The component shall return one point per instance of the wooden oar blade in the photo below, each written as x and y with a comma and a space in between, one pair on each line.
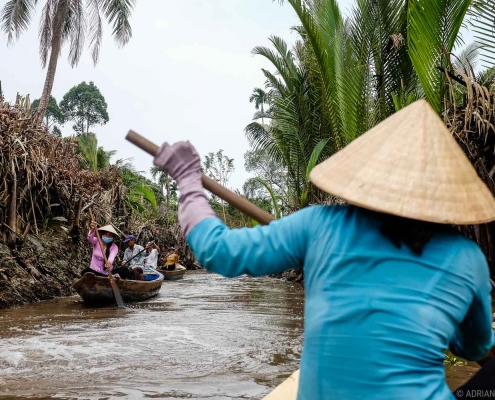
116, 294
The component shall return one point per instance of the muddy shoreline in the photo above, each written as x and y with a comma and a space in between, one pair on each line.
45, 267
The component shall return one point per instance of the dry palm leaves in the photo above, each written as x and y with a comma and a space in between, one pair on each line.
470, 115
41, 175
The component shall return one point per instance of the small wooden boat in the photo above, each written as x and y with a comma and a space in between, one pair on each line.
175, 274
287, 390
96, 289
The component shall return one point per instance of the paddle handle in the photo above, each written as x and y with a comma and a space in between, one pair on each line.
209, 184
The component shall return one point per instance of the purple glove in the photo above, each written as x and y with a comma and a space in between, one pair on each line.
182, 163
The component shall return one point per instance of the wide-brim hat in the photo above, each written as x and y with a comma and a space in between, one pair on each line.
108, 228
409, 165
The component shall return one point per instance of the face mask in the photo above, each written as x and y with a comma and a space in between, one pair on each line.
107, 239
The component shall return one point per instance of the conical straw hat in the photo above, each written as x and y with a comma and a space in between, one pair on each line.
108, 228
409, 165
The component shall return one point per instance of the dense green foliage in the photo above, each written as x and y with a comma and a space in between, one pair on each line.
53, 112
85, 106
345, 74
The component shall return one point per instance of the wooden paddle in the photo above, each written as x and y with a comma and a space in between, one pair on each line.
209, 184
113, 284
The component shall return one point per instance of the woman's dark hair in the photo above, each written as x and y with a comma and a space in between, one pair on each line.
413, 233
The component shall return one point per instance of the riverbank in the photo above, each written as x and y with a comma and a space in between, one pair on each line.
44, 267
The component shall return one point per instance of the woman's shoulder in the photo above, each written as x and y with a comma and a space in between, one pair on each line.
467, 250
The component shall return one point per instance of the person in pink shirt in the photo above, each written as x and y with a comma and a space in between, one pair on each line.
108, 236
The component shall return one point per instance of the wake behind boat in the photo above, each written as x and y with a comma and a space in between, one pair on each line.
96, 290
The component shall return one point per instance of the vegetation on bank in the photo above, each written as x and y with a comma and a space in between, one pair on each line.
347, 73
344, 75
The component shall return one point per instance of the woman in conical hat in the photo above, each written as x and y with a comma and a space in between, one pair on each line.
110, 249
389, 284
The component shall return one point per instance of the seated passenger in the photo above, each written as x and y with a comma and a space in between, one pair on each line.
171, 259
152, 253
133, 256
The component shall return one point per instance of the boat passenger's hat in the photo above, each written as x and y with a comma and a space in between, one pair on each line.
128, 238
409, 165
171, 248
108, 228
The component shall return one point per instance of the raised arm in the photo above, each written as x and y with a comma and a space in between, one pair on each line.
256, 251
92, 235
474, 337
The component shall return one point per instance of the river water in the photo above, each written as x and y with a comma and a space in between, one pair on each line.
203, 337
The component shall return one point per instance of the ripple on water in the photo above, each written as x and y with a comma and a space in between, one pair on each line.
202, 337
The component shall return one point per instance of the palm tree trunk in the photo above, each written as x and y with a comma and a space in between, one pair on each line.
58, 24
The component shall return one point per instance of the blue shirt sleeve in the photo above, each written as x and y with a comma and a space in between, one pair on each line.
474, 337
254, 251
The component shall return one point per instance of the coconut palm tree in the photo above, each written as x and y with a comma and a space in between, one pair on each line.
259, 97
345, 75
66, 21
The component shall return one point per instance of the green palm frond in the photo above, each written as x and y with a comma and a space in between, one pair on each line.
125, 164
75, 30
15, 16
486, 78
378, 32
315, 157
147, 193
95, 29
433, 30
277, 60
46, 30
103, 158
483, 23
88, 146
273, 196
466, 61
323, 34
118, 13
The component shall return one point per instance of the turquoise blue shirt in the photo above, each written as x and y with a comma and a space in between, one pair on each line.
377, 317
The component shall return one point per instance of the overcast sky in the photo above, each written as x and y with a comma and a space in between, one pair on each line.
186, 74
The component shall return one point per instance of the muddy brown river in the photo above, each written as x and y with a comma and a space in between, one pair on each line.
204, 337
